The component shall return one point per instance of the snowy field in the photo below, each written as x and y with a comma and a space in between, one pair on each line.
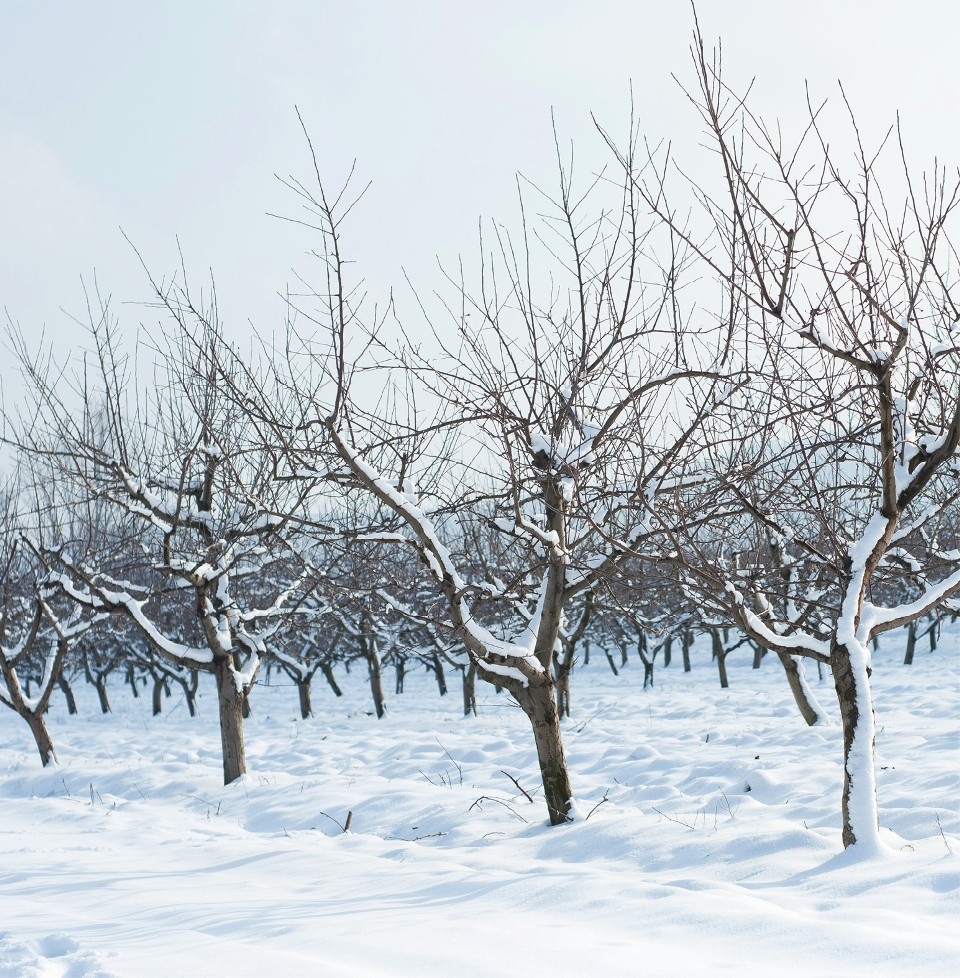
708, 841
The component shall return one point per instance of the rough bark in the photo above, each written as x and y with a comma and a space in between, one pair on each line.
230, 700
42, 736
67, 694
911, 643
792, 668
441, 677
327, 671
303, 693
537, 702
563, 693
470, 690
720, 654
859, 800
100, 684
369, 647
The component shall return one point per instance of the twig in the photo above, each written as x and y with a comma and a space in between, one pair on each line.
598, 804
457, 766
499, 801
670, 818
336, 821
520, 788
942, 836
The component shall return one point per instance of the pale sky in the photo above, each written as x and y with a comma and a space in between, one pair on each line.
169, 119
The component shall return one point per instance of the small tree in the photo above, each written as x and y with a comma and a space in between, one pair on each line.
36, 630
179, 544
826, 486
552, 416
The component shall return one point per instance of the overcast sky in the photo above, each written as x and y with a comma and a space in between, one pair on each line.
170, 119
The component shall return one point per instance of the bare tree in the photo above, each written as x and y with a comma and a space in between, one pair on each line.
36, 630
551, 414
829, 481
179, 541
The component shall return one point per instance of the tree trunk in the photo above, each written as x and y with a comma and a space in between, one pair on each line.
540, 707
851, 678
101, 686
807, 705
667, 650
230, 700
327, 671
42, 737
132, 680
720, 654
686, 649
303, 692
376, 677
911, 643
157, 695
562, 686
642, 647
470, 689
441, 678
190, 691
758, 655
67, 694
400, 667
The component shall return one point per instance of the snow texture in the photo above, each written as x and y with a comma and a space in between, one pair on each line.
716, 852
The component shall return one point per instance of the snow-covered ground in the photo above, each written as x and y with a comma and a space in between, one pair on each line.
709, 842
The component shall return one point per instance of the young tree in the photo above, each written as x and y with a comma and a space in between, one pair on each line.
828, 481
552, 415
180, 545
36, 631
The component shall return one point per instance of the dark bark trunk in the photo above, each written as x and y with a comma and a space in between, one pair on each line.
720, 654
157, 695
400, 668
857, 759
540, 707
667, 650
441, 678
101, 686
327, 671
792, 669
376, 679
642, 647
190, 691
613, 665
67, 694
42, 737
563, 693
132, 680
757, 655
911, 643
230, 701
303, 692
686, 650
470, 690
